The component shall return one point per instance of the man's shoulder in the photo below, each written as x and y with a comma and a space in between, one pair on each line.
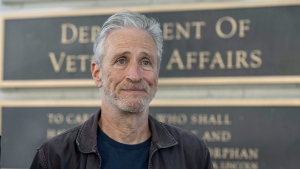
59, 150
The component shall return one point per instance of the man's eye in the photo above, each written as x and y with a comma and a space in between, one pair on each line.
146, 63
121, 61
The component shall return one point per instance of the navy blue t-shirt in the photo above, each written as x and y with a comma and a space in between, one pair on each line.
115, 155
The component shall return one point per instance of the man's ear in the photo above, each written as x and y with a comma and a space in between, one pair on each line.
95, 70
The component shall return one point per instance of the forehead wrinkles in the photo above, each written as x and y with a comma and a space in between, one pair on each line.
130, 38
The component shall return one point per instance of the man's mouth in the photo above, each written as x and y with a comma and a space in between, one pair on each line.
133, 90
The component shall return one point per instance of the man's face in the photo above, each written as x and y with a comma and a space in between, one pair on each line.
129, 71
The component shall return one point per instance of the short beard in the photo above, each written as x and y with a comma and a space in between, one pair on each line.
126, 104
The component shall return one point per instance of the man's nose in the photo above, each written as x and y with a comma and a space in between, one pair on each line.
134, 73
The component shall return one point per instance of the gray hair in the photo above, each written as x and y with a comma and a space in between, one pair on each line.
128, 19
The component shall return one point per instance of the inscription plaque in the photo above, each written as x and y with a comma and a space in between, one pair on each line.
252, 137
241, 44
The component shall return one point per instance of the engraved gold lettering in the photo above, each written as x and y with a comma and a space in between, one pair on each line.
217, 136
168, 31
219, 27
175, 59
94, 31
184, 31
71, 63
57, 64
255, 56
190, 56
241, 59
73, 118
235, 165
215, 165
55, 118
203, 57
83, 35
175, 31
64, 33
217, 59
70, 33
53, 132
213, 119
229, 59
174, 119
83, 59
234, 153
244, 26
198, 26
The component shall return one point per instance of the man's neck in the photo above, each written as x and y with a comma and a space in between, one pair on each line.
124, 127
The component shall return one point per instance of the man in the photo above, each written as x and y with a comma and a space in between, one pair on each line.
122, 134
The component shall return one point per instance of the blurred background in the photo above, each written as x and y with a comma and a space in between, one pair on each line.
242, 113
219, 91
